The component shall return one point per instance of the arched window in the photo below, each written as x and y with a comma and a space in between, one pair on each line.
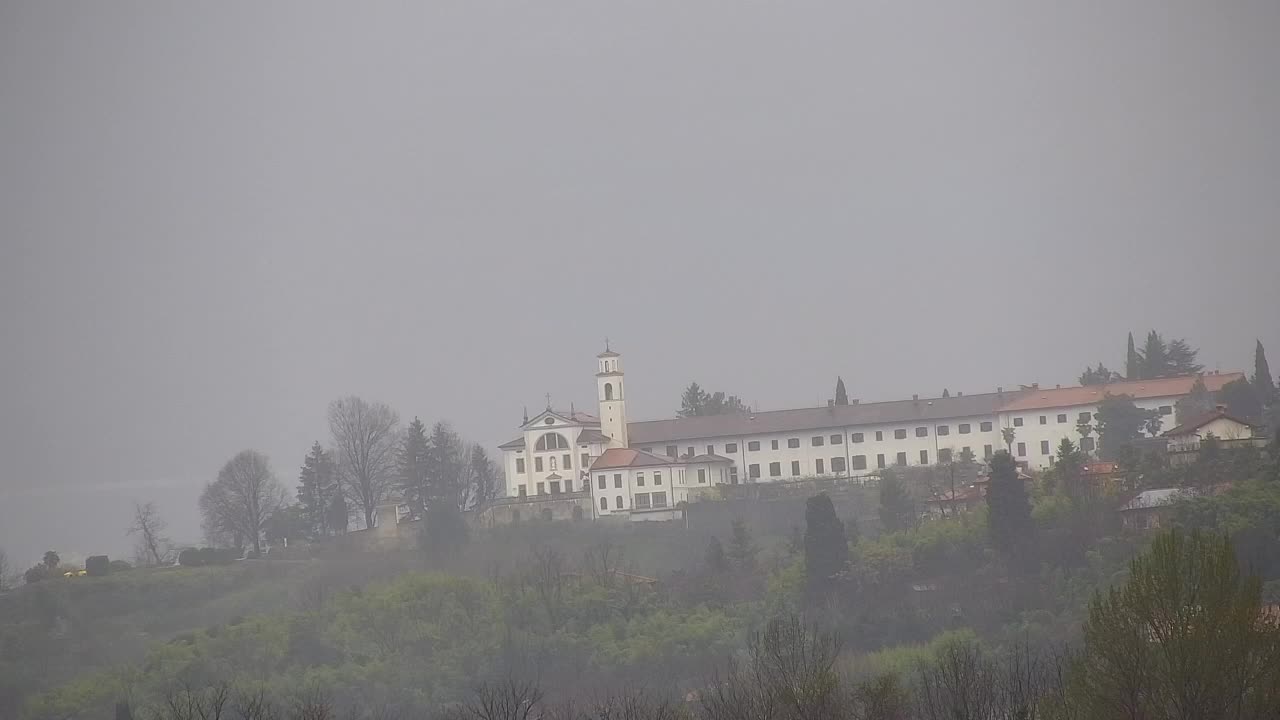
604, 503
552, 441
617, 502
608, 391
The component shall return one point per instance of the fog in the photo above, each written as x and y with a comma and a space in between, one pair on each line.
216, 218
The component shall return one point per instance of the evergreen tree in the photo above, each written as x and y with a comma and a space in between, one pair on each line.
485, 478
338, 518
742, 546
696, 402
1181, 359
1155, 356
1182, 638
717, 562
946, 393
842, 397
1262, 379
1097, 376
1067, 466
1120, 423
1009, 518
51, 560
1241, 398
1132, 362
412, 467
897, 507
444, 528
1194, 404
826, 551
317, 487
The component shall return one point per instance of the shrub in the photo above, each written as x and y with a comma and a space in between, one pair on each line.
97, 565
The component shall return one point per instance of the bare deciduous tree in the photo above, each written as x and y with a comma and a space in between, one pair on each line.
149, 527
242, 499
365, 439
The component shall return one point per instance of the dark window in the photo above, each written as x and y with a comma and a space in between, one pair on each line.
902, 458
537, 464
519, 466
775, 469
922, 432
943, 430
733, 474
568, 462
986, 452
753, 471
731, 448
880, 461
837, 439
524, 492
568, 485
711, 449
793, 442
837, 465
672, 451
659, 499
657, 478
753, 445
856, 437
879, 435
542, 489
1017, 422
689, 451
603, 484
639, 479
1086, 444
817, 441
702, 476
604, 503
859, 462
552, 441
641, 500
586, 461
944, 455
617, 481
1044, 447
965, 428
1062, 417
985, 427
773, 444
555, 487
1022, 449
617, 503
1044, 420
1084, 417
1166, 410
817, 466
924, 457
900, 434
795, 468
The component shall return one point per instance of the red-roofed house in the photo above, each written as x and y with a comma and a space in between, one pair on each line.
1231, 432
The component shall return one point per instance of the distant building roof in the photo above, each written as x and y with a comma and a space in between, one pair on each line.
1160, 497
1200, 421
783, 421
517, 444
707, 458
591, 435
630, 457
1041, 398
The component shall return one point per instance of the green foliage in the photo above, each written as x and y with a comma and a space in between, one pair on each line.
317, 490
200, 557
1182, 638
412, 467
1098, 376
742, 546
842, 395
1242, 400
1195, 403
897, 506
696, 402
1009, 518
1262, 380
51, 560
826, 550
716, 560
1120, 422
1132, 362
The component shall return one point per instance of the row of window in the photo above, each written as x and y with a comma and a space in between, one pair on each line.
821, 440
1086, 444
543, 487
551, 463
643, 501
857, 462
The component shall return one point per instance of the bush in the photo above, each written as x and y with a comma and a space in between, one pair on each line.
35, 574
97, 565
193, 557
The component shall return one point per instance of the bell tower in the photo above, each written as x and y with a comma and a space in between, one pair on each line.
612, 397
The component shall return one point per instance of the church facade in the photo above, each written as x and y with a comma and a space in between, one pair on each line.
612, 466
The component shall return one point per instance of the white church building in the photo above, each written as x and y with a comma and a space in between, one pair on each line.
645, 469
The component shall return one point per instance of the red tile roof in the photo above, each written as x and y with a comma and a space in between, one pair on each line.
1092, 394
1196, 423
630, 457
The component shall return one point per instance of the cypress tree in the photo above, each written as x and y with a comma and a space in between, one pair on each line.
826, 550
411, 466
1262, 375
1132, 362
1009, 518
842, 396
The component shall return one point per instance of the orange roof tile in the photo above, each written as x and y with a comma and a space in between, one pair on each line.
1093, 394
629, 457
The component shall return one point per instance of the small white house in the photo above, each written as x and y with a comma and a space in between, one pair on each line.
1231, 431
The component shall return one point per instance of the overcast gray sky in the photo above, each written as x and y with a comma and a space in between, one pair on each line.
217, 217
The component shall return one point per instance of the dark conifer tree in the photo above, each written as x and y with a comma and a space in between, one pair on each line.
1262, 376
842, 396
1009, 519
826, 550
317, 487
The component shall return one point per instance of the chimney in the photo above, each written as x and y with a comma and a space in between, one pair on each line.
915, 397
999, 389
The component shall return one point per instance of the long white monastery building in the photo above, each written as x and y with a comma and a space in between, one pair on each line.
645, 468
